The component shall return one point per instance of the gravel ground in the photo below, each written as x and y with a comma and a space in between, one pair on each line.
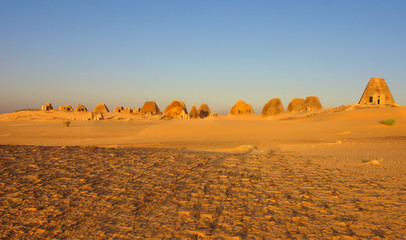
133, 193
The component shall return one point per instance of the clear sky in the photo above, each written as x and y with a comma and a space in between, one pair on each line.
123, 53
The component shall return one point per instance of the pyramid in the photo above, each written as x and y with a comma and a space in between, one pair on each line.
150, 108
194, 113
101, 108
47, 107
273, 107
80, 108
175, 109
295, 105
65, 108
241, 108
118, 109
377, 93
203, 111
311, 103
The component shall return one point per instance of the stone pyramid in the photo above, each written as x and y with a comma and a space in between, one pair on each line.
150, 108
241, 108
80, 108
295, 105
273, 107
204, 111
101, 108
176, 109
377, 93
311, 103
194, 113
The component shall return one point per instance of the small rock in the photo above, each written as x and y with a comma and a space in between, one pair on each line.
374, 162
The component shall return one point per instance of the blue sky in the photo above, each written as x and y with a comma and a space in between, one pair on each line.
123, 53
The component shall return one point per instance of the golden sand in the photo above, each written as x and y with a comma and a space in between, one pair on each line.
332, 173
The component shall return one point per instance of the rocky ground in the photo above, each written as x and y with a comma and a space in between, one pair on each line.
132, 193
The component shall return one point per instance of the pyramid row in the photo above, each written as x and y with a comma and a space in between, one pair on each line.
177, 109
274, 106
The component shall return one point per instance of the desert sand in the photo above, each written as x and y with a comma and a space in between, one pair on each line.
326, 174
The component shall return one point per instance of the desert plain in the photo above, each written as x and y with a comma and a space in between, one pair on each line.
336, 173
